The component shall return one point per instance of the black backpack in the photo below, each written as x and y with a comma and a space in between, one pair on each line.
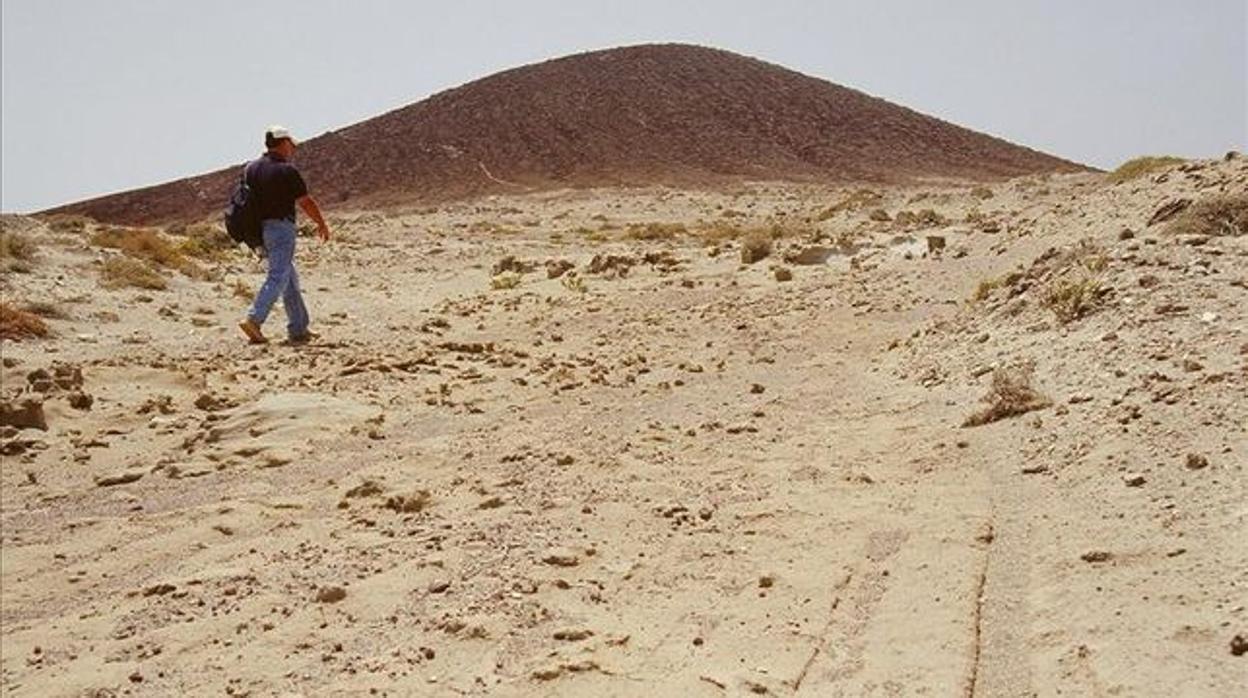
242, 214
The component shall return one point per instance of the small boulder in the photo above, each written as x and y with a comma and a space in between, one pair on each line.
23, 414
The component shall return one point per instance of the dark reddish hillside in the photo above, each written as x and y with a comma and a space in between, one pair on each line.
669, 114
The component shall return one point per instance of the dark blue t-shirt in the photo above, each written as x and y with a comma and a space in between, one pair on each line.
276, 184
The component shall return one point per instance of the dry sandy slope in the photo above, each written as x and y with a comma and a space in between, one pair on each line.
688, 480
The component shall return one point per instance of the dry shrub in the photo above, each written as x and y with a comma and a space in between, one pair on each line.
18, 324
505, 280
856, 201
1141, 166
122, 272
17, 246
241, 289
409, 504
1010, 395
1221, 215
149, 245
68, 223
754, 247
573, 282
207, 242
985, 289
1072, 299
655, 231
46, 309
926, 218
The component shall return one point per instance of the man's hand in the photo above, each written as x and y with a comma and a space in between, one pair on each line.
308, 204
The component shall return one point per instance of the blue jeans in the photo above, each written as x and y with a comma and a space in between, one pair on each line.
282, 280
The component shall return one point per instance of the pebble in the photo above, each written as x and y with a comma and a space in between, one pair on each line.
330, 594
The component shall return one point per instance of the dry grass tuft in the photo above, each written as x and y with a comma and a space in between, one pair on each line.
926, 218
1222, 215
149, 245
1010, 395
123, 272
1141, 166
206, 242
46, 309
574, 282
505, 280
18, 324
68, 223
655, 231
858, 200
241, 289
1070, 300
17, 246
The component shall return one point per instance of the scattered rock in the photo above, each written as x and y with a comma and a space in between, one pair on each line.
573, 634
561, 558
439, 586
123, 478
330, 594
1168, 210
810, 255
1196, 461
1239, 645
556, 268
1133, 479
26, 414
513, 265
80, 400
409, 504
783, 274
368, 488
1096, 556
935, 244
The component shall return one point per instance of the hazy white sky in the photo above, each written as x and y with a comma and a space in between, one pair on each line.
102, 96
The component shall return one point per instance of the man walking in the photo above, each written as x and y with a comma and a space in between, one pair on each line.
278, 186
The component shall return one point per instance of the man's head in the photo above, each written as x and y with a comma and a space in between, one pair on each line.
278, 140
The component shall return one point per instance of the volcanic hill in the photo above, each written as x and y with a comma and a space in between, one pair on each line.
653, 114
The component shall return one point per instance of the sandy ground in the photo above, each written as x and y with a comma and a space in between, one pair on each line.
678, 476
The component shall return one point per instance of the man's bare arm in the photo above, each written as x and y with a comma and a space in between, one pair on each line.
309, 206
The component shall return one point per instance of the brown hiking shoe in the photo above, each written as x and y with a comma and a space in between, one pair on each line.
252, 330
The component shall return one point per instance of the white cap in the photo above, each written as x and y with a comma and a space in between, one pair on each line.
278, 132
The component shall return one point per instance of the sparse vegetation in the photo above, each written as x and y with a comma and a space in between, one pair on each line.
46, 309
16, 252
655, 231
574, 282
982, 193
241, 289
1141, 166
18, 324
68, 223
856, 201
123, 272
207, 242
148, 245
505, 280
1222, 215
925, 218
1072, 299
1010, 395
